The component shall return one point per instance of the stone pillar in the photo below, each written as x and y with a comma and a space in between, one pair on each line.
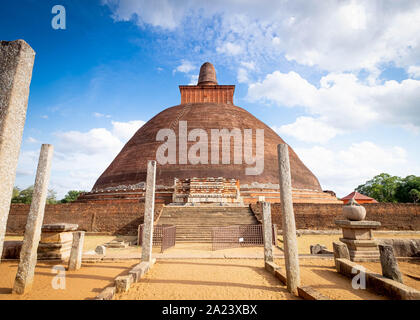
28, 253
75, 261
340, 252
268, 232
291, 255
16, 63
149, 208
389, 263
275, 232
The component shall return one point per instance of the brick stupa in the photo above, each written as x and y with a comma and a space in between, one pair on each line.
205, 106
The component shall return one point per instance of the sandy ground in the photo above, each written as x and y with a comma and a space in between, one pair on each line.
410, 271
85, 283
196, 279
321, 275
199, 278
202, 279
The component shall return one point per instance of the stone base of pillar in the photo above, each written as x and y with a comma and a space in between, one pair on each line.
357, 235
56, 241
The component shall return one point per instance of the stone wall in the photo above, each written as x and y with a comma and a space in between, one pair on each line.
398, 216
111, 218
124, 217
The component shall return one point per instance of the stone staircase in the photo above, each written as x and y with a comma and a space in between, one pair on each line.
194, 223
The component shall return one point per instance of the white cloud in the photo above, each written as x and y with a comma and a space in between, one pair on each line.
185, 67
32, 140
242, 75
345, 169
414, 71
125, 130
334, 35
44, 116
101, 115
98, 140
79, 157
249, 65
230, 48
308, 129
342, 100
193, 79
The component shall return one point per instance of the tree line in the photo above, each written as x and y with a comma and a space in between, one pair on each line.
387, 188
25, 196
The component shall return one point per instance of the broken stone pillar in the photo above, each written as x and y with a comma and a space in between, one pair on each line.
149, 208
75, 261
291, 254
268, 232
16, 63
389, 263
28, 253
56, 241
340, 252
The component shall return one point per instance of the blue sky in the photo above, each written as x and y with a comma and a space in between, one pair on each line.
338, 80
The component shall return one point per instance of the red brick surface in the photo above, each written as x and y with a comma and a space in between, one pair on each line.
124, 217
129, 167
401, 216
105, 217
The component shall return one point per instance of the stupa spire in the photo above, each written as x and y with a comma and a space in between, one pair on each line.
207, 75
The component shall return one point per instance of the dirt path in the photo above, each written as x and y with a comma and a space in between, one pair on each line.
85, 283
200, 279
410, 271
321, 275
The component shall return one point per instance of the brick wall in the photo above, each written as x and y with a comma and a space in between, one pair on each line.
401, 216
105, 217
124, 217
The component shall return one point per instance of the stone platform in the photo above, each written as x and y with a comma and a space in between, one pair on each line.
56, 241
358, 237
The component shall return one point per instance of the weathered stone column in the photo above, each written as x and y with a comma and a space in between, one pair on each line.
149, 208
16, 63
28, 253
389, 264
291, 255
268, 232
75, 261
340, 252
275, 232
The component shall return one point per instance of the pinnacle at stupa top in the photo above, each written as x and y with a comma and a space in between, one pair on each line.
207, 75
207, 88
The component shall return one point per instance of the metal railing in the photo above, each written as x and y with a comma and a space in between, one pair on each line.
163, 235
239, 236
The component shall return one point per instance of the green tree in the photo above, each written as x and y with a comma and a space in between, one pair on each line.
25, 195
407, 189
415, 195
16, 192
71, 196
382, 187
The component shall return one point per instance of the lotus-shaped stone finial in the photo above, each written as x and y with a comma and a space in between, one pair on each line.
354, 211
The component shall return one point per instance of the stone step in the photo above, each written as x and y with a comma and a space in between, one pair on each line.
207, 222
207, 211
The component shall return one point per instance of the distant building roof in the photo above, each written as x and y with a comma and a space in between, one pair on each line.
358, 196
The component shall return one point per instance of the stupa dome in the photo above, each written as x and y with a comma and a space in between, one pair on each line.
206, 106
